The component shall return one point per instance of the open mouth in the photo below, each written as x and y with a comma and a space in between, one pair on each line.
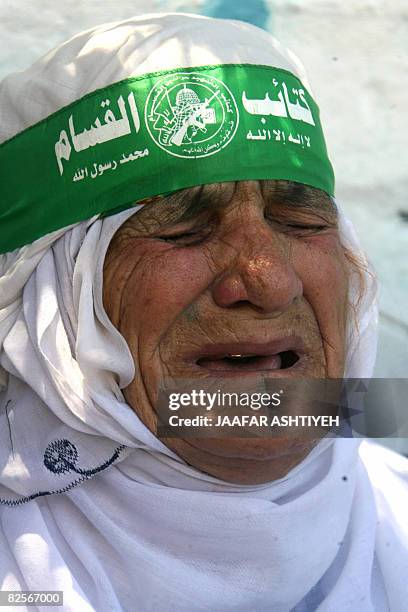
249, 362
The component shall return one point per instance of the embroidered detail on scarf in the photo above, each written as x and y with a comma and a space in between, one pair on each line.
61, 457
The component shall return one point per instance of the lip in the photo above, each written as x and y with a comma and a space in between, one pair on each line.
262, 349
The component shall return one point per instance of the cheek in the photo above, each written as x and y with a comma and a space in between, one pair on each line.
321, 265
163, 283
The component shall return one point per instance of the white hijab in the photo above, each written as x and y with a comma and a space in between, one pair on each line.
91, 502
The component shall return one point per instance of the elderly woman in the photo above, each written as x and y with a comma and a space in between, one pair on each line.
167, 214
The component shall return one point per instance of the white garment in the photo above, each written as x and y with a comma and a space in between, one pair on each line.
137, 528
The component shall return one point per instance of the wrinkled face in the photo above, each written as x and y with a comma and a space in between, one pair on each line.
252, 269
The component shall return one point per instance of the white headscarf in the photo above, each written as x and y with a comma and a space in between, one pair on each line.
91, 502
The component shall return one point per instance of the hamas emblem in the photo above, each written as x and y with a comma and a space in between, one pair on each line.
191, 114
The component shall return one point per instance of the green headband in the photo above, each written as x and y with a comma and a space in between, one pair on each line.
156, 134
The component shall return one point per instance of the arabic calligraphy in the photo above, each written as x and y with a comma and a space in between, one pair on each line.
279, 135
99, 132
134, 156
62, 150
99, 169
282, 106
80, 174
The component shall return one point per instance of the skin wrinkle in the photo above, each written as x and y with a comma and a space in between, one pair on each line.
191, 313
165, 330
244, 268
120, 306
252, 266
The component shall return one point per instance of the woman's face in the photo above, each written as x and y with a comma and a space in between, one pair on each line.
247, 268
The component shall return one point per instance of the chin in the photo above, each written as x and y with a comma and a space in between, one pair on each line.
243, 460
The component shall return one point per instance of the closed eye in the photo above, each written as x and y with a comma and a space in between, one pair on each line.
187, 238
177, 236
305, 228
316, 228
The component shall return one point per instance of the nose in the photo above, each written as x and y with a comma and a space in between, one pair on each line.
260, 273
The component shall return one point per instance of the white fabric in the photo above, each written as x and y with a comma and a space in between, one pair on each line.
150, 533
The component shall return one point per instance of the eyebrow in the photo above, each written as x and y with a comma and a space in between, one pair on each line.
297, 195
205, 200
